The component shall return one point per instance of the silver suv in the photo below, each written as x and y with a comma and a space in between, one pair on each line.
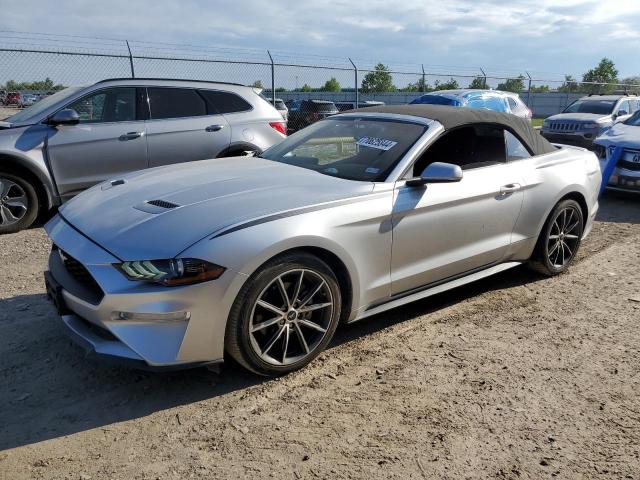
582, 121
81, 136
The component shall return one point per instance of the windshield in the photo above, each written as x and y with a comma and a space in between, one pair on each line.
633, 120
601, 107
352, 148
436, 100
37, 108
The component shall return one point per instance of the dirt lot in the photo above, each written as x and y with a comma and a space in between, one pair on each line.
515, 376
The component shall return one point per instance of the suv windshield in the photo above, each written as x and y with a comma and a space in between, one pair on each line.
35, 110
352, 148
633, 120
602, 107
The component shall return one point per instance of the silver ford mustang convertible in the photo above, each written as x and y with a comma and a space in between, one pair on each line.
260, 258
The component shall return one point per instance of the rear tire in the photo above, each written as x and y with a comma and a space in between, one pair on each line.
284, 316
19, 204
559, 240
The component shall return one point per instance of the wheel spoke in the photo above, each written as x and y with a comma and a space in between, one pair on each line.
568, 222
571, 236
303, 342
270, 307
555, 246
314, 326
553, 237
296, 292
273, 340
566, 246
316, 306
7, 215
265, 324
283, 292
573, 227
287, 333
310, 296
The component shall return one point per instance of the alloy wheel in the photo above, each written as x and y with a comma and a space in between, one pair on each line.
14, 202
564, 237
291, 317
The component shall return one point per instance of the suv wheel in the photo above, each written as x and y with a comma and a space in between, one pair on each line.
18, 203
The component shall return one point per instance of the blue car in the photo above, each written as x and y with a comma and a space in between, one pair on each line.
620, 155
494, 100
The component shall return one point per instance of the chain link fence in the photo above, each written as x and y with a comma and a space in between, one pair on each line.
42, 63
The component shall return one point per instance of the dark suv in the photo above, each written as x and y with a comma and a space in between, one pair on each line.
303, 113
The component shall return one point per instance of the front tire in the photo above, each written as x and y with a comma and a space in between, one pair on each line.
559, 240
19, 204
284, 316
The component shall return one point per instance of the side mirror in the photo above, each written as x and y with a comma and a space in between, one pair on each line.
622, 113
437, 172
67, 116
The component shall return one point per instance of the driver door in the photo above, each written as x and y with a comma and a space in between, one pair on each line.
444, 230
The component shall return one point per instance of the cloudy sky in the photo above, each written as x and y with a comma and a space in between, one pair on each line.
541, 36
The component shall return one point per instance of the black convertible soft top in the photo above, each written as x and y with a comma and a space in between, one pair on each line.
453, 117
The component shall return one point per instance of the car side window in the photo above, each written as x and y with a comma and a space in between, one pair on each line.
108, 105
175, 103
468, 147
512, 104
515, 149
225, 102
625, 107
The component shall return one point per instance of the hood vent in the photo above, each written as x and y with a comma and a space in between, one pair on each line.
162, 204
156, 206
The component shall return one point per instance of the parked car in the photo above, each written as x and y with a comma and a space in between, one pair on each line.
344, 106
13, 98
118, 126
350, 217
282, 109
581, 122
620, 155
27, 99
305, 112
495, 100
3, 97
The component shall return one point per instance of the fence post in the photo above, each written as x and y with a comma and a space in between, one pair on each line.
528, 90
133, 73
484, 78
273, 80
355, 71
423, 86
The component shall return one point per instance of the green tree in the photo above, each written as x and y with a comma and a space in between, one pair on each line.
515, 85
478, 82
305, 88
420, 86
604, 73
332, 85
281, 89
379, 80
257, 84
569, 85
451, 84
539, 88
45, 85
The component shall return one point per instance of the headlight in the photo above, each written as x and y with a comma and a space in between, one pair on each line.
590, 126
546, 123
173, 272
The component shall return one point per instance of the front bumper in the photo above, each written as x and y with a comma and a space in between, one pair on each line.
91, 317
578, 139
623, 179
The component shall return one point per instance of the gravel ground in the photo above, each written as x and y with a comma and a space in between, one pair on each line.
515, 376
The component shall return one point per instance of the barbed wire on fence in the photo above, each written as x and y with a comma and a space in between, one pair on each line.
64, 60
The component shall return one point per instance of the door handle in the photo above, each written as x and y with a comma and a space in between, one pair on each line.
131, 135
214, 128
509, 189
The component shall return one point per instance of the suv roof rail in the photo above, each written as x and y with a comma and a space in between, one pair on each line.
169, 79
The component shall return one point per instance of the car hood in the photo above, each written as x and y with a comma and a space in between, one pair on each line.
209, 195
620, 135
581, 117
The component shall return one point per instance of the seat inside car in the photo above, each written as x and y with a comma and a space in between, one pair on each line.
468, 147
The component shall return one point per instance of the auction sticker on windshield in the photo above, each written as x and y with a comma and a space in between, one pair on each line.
375, 142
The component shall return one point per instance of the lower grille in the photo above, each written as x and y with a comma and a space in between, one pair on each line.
83, 285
